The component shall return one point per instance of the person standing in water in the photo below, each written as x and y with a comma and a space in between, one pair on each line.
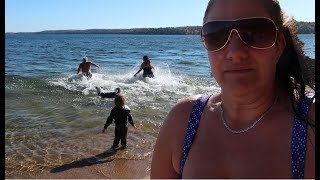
120, 113
85, 67
147, 67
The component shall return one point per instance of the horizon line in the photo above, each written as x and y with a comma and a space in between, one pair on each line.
118, 28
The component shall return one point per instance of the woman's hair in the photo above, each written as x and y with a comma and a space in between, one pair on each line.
291, 70
119, 100
145, 58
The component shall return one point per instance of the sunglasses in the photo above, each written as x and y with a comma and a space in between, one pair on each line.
258, 33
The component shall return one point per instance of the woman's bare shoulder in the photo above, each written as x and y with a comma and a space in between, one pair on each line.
185, 105
178, 116
181, 109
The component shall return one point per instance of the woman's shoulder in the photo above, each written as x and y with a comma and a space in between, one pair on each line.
180, 112
189, 101
184, 106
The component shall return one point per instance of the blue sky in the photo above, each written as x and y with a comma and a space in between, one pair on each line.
39, 15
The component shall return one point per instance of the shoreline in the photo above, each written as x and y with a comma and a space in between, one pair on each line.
110, 169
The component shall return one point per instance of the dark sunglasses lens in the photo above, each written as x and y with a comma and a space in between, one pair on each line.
258, 32
215, 34
217, 40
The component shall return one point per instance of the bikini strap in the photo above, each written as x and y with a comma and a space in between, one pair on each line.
193, 124
299, 137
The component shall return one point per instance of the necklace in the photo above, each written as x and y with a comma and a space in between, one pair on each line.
249, 127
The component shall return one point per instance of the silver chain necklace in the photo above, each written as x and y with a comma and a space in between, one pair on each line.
249, 127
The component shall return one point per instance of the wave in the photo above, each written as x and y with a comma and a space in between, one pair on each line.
164, 81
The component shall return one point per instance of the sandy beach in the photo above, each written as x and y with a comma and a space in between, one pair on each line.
117, 169
101, 166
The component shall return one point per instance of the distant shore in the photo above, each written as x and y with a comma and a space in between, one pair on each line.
303, 28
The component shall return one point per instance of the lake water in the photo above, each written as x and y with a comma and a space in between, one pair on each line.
54, 117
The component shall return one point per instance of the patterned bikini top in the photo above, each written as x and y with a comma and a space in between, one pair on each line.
298, 141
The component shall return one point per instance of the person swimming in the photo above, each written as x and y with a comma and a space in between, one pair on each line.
85, 67
147, 67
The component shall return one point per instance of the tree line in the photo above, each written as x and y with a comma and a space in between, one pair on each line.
303, 28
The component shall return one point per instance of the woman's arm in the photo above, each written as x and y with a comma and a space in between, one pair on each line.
139, 70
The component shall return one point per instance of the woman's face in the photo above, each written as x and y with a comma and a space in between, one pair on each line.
237, 67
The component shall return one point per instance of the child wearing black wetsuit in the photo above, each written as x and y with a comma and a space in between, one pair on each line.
120, 113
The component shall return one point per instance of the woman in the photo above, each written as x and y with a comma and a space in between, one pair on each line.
147, 67
254, 128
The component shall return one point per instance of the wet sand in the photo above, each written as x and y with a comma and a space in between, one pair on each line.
123, 169
106, 165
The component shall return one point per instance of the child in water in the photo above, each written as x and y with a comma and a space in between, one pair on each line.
120, 113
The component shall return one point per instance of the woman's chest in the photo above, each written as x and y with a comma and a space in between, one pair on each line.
259, 153
242, 162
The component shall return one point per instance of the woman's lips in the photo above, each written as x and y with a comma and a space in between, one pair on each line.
239, 71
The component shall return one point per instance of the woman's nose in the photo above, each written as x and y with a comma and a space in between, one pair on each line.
236, 48
235, 39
